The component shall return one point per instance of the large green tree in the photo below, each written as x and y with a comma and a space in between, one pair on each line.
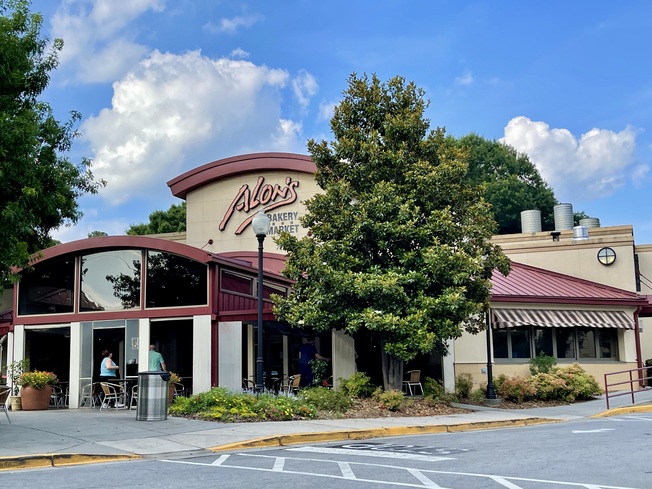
399, 248
39, 185
512, 182
171, 221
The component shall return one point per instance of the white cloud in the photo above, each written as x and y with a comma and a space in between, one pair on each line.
230, 26
465, 80
304, 86
326, 110
96, 43
591, 166
171, 110
239, 53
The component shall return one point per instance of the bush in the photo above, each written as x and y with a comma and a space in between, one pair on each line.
498, 381
358, 385
326, 399
220, 404
480, 394
542, 364
390, 400
433, 388
463, 385
549, 386
517, 389
581, 385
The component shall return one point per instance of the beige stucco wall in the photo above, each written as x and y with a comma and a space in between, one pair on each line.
577, 258
208, 205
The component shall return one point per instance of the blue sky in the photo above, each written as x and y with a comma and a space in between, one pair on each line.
168, 85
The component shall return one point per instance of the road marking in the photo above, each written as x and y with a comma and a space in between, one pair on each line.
221, 460
504, 480
423, 479
279, 463
347, 473
599, 430
374, 453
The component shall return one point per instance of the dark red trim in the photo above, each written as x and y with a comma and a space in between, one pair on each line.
274, 262
236, 165
635, 302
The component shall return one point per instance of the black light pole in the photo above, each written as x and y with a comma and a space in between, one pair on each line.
491, 390
260, 225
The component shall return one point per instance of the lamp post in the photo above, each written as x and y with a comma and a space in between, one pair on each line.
260, 225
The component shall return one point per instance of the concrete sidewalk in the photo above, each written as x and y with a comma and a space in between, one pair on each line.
61, 436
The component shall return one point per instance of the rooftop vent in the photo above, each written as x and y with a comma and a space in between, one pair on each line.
531, 221
563, 214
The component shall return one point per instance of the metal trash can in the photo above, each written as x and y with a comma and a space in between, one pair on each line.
153, 396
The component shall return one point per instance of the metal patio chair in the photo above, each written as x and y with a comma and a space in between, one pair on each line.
412, 382
113, 394
4, 395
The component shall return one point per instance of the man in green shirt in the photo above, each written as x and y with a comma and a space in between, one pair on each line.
156, 361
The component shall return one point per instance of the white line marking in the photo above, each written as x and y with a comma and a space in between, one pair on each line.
423, 479
504, 482
279, 463
221, 460
444, 472
374, 453
347, 473
599, 430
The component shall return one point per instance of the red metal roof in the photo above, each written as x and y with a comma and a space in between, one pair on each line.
526, 283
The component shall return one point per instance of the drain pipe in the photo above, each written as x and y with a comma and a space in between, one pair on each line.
639, 360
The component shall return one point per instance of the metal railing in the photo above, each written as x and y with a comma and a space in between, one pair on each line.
641, 379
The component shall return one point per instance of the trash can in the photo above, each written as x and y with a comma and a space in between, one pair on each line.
152, 396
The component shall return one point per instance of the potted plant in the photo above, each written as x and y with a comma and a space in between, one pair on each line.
36, 389
174, 378
13, 371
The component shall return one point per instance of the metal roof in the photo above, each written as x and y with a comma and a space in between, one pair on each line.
526, 283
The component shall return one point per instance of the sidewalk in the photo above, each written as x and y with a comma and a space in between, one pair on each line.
63, 436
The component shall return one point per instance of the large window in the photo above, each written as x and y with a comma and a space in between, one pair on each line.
48, 288
110, 281
173, 280
563, 343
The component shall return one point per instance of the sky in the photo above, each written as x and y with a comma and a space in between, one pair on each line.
165, 86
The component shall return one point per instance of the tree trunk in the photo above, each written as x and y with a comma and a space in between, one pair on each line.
392, 371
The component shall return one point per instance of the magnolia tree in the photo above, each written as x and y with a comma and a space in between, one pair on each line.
399, 248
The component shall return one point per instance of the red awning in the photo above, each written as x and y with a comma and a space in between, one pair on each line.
509, 318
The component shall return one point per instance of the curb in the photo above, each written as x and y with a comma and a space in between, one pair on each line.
325, 436
646, 408
58, 460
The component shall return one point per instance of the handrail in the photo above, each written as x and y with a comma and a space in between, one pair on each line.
631, 382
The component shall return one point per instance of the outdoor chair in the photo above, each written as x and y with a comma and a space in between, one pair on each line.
57, 397
4, 395
179, 389
292, 385
412, 382
113, 394
134, 396
248, 385
89, 396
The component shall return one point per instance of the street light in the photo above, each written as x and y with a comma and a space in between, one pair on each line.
260, 225
491, 390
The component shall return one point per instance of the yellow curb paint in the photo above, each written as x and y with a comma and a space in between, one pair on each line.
316, 437
58, 459
647, 408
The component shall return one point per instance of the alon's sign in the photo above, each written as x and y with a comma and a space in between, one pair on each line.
270, 197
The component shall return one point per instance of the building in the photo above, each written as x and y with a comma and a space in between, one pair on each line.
193, 294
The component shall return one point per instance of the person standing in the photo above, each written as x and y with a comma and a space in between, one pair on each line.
307, 353
156, 361
108, 368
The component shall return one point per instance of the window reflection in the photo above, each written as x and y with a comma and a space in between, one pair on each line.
48, 288
173, 280
110, 281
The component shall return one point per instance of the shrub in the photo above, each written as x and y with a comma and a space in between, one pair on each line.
549, 386
433, 388
326, 399
517, 389
37, 379
464, 385
581, 385
542, 364
358, 385
319, 371
480, 394
498, 381
220, 404
390, 400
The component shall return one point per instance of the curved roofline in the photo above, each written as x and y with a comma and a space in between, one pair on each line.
227, 167
99, 243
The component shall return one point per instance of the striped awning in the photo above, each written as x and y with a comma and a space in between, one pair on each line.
508, 318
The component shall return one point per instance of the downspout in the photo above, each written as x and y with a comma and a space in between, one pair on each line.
639, 360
